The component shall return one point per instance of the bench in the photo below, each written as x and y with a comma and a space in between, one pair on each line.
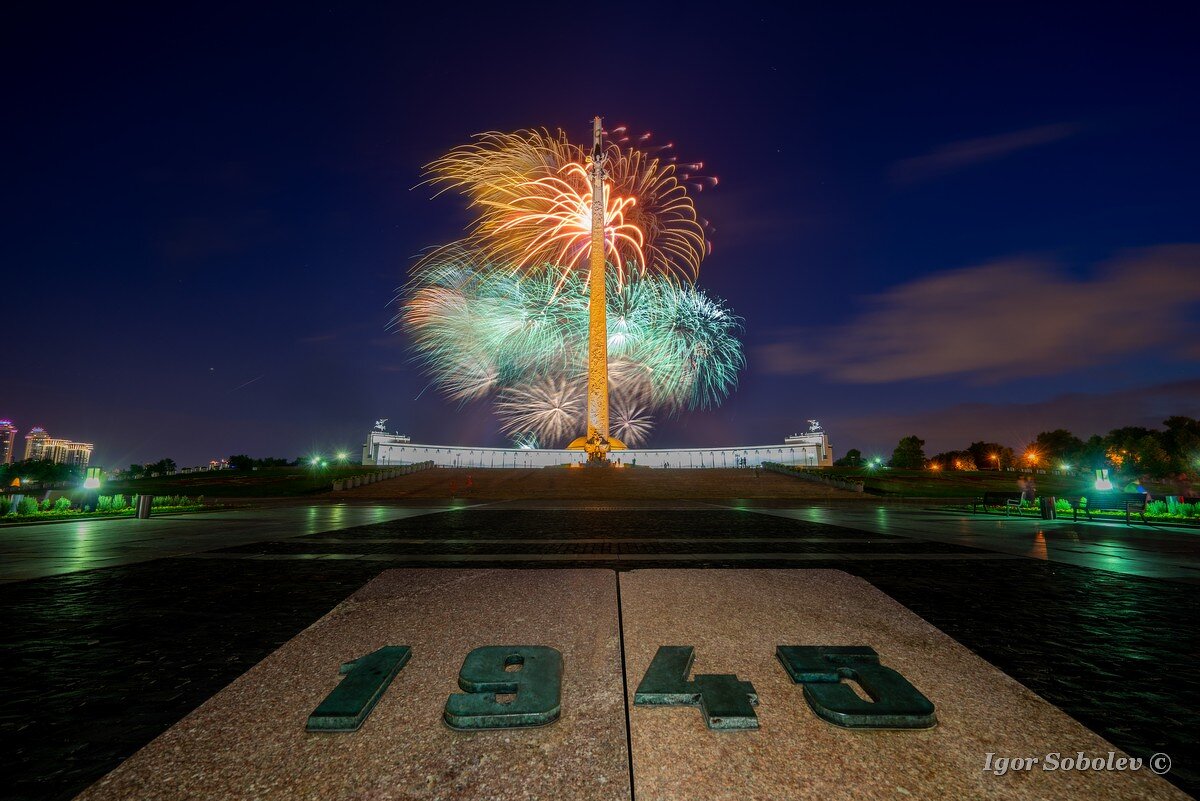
1009, 500
1126, 502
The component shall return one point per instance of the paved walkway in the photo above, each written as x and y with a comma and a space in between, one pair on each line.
1138, 550
615, 485
48, 549
1101, 620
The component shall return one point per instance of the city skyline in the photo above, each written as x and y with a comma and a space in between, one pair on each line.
41, 446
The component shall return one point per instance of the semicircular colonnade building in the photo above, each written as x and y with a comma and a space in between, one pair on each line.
812, 449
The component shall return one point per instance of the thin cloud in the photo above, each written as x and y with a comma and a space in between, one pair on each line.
966, 152
1007, 319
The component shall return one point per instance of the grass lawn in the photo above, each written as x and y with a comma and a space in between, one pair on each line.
965, 484
78, 514
266, 482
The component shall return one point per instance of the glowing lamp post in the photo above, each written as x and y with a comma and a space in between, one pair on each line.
92, 481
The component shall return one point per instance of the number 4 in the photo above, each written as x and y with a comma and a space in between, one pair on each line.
726, 702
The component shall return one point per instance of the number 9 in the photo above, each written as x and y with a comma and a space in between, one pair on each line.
533, 673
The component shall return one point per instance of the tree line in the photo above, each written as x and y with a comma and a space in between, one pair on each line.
46, 472
239, 461
1172, 451
39, 470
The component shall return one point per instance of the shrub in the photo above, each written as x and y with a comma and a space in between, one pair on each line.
29, 506
104, 503
119, 502
1158, 508
62, 505
171, 501
47, 505
1062, 505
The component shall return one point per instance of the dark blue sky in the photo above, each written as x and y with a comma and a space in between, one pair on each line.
986, 212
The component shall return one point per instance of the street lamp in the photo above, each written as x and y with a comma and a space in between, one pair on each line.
93, 479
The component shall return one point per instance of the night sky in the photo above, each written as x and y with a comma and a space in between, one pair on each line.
978, 222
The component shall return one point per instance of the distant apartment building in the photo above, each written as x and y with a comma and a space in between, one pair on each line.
40, 445
35, 443
8, 441
64, 451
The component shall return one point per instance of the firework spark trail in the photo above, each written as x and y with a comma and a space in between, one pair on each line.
525, 440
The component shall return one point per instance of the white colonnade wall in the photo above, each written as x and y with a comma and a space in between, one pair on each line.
811, 450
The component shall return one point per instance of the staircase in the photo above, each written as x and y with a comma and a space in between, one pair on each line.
584, 483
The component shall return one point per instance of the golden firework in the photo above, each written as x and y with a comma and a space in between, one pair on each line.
533, 199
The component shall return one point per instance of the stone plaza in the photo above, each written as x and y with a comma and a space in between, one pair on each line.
178, 657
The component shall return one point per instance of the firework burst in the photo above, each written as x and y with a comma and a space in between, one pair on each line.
503, 312
524, 340
548, 408
631, 423
533, 200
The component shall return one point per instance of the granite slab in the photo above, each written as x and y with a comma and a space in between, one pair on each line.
249, 740
735, 619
